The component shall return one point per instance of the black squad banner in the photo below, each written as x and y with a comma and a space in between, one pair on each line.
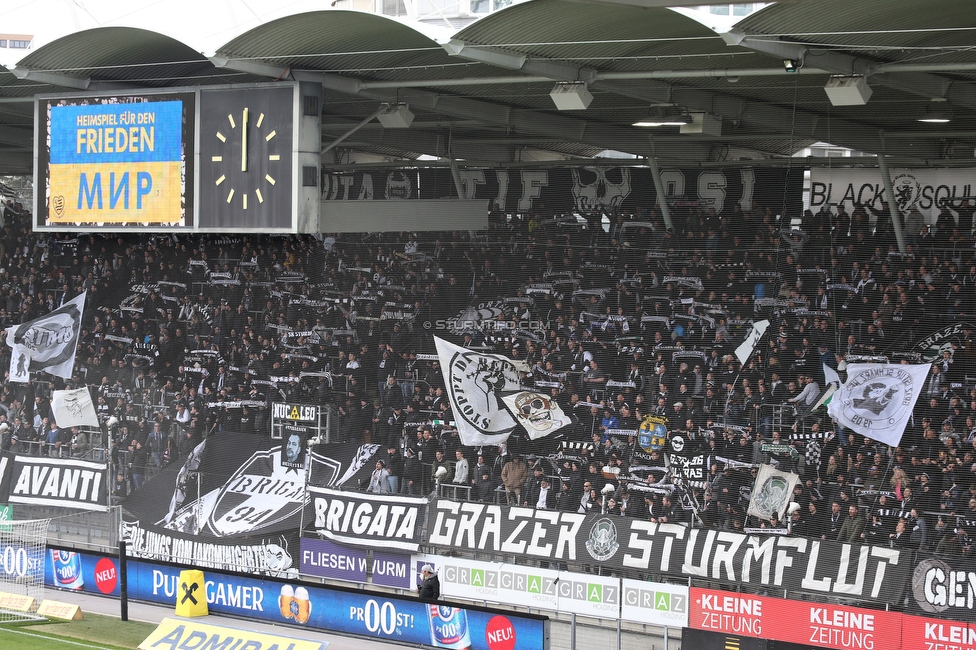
944, 588
58, 482
795, 563
688, 464
236, 502
384, 521
590, 190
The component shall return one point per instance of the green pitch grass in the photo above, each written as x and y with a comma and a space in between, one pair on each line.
93, 633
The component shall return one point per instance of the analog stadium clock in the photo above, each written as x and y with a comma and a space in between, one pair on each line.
246, 159
244, 137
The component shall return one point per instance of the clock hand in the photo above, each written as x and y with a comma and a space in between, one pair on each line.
244, 141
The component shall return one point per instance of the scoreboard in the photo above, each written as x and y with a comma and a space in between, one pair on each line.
206, 159
122, 162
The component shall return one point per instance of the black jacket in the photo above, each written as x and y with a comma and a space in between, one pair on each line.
430, 588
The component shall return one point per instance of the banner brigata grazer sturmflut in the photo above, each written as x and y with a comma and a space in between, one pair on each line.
868, 573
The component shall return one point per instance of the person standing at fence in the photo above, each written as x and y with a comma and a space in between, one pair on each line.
379, 480
412, 473
394, 465
440, 471
460, 470
514, 474
140, 458
50, 433
430, 586
157, 444
485, 486
79, 443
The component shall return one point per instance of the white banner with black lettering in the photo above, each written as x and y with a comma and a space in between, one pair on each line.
363, 519
926, 190
61, 482
877, 399
267, 554
744, 351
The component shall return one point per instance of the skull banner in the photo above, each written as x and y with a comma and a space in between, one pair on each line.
596, 190
539, 414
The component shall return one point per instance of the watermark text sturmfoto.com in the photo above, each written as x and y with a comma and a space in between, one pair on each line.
457, 324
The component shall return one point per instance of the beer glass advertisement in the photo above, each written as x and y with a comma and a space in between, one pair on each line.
76, 571
291, 602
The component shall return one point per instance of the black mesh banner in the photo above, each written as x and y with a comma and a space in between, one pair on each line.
619, 543
605, 189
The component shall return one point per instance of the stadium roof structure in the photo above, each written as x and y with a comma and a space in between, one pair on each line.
755, 94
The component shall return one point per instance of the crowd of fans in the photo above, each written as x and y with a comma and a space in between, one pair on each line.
187, 335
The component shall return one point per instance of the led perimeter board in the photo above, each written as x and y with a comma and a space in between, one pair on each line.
115, 161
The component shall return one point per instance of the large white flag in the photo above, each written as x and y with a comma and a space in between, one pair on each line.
744, 351
475, 384
73, 408
47, 343
538, 413
877, 399
771, 493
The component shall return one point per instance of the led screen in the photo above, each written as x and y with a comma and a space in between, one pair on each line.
116, 161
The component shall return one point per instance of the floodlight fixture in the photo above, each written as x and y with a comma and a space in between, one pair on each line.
571, 96
395, 116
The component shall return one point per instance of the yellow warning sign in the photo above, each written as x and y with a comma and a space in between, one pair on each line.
294, 414
191, 594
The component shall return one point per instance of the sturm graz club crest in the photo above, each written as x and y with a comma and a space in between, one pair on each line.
602, 543
951, 338
929, 570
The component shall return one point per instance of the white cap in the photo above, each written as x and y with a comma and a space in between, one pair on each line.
426, 569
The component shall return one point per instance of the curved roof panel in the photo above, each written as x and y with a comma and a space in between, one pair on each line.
609, 38
122, 54
365, 45
887, 30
